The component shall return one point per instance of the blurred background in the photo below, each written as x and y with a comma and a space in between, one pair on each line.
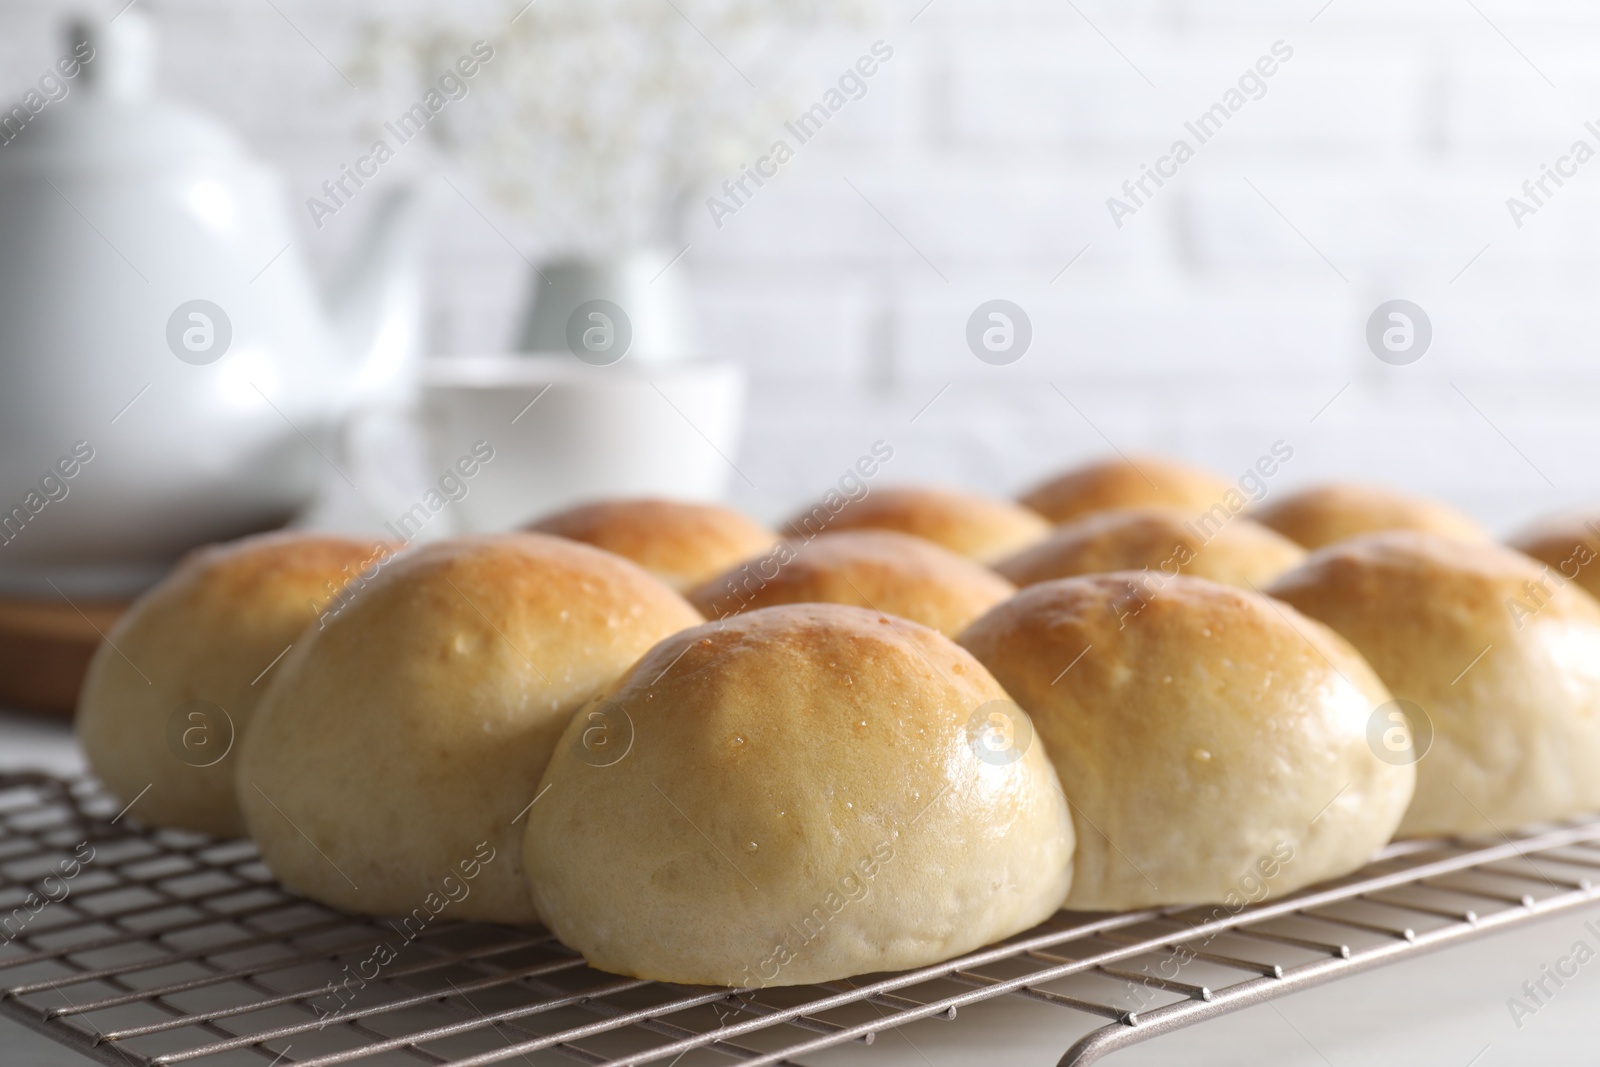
965, 152
1226, 314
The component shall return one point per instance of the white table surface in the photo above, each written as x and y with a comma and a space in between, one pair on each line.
1445, 1009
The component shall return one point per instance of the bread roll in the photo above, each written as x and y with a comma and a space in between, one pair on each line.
1569, 545
967, 524
168, 695
1213, 743
1324, 514
1164, 539
1126, 483
805, 793
680, 543
400, 743
877, 569
1507, 677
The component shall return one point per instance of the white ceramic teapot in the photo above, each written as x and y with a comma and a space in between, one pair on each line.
160, 338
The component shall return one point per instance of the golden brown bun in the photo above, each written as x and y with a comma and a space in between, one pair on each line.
401, 741
1202, 738
681, 543
1511, 688
1164, 539
794, 795
967, 524
1568, 544
1126, 483
170, 693
877, 569
1324, 514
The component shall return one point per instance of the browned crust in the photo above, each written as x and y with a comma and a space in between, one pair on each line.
679, 542
1324, 514
1164, 539
881, 570
980, 527
1124, 483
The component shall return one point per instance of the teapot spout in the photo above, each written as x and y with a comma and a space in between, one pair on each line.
376, 302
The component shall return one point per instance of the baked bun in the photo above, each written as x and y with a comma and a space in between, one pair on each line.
1324, 514
170, 692
877, 569
399, 744
976, 526
1164, 539
1568, 544
1507, 676
1126, 483
680, 543
1213, 744
795, 795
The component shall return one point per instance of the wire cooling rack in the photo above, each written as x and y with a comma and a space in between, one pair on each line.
140, 947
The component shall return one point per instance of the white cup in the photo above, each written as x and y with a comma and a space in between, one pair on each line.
563, 432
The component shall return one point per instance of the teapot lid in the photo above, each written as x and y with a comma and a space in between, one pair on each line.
95, 107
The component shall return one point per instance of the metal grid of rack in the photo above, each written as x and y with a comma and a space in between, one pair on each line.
140, 947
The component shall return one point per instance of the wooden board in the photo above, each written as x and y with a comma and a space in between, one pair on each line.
45, 648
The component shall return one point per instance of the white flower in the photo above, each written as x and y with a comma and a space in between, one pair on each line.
598, 120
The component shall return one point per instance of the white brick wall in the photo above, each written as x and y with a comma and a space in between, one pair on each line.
1204, 326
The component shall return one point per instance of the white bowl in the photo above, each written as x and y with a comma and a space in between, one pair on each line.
563, 431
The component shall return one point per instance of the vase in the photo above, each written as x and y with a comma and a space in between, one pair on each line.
567, 308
